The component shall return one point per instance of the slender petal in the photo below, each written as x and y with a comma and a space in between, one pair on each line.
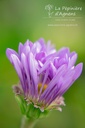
9, 52
33, 72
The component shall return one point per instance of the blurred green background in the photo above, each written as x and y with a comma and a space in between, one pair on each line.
24, 19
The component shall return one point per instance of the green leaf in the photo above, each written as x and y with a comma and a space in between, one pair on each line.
22, 103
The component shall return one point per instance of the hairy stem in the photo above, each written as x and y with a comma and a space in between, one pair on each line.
28, 123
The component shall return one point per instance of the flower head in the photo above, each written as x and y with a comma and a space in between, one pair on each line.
45, 74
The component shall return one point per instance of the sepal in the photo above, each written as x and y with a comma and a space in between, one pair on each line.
22, 103
29, 110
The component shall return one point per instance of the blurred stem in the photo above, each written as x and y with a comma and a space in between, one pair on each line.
28, 123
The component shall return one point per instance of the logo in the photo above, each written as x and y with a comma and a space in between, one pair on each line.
49, 8
62, 11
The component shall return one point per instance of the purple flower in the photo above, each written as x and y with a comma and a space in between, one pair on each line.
45, 74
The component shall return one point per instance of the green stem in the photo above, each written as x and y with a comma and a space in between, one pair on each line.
27, 123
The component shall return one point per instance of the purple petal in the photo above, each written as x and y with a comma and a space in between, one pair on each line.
54, 81
52, 93
42, 42
72, 54
62, 61
56, 62
40, 55
67, 82
78, 70
63, 51
36, 48
26, 68
52, 69
44, 67
20, 48
49, 57
26, 50
26, 43
40, 63
72, 60
44, 80
50, 48
9, 52
33, 71
18, 67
